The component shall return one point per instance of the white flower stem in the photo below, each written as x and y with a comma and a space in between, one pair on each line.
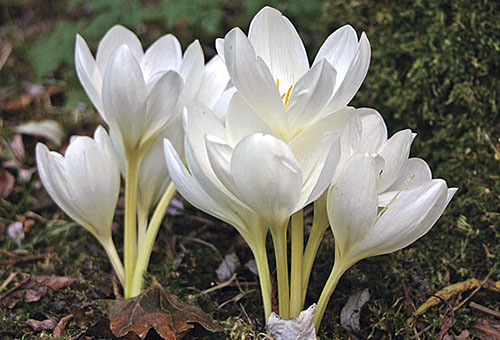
148, 242
337, 271
319, 226
280, 253
262, 262
142, 224
296, 265
130, 233
116, 263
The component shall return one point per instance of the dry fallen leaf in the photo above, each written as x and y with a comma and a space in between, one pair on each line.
154, 309
350, 313
227, 267
6, 183
486, 329
38, 326
49, 129
33, 287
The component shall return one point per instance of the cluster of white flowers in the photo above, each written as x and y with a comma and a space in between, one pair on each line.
252, 137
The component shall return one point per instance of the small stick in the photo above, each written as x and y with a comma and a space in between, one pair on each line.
471, 294
20, 284
27, 259
8, 280
484, 309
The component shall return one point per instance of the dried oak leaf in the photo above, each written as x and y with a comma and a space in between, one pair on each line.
155, 309
6, 183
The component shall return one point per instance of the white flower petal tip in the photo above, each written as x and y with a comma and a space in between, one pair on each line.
299, 328
85, 183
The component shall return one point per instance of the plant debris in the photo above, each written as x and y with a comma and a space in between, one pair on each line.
154, 309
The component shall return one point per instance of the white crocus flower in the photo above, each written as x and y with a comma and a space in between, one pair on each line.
271, 71
138, 93
363, 229
85, 183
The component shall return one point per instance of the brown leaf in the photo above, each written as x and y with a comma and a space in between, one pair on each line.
61, 325
6, 183
38, 326
487, 329
155, 309
33, 288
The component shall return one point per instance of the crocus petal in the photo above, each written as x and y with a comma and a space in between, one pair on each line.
252, 78
373, 131
219, 154
352, 202
214, 83
114, 38
267, 177
310, 94
124, 96
395, 153
415, 173
191, 71
165, 54
219, 47
407, 218
325, 167
87, 72
52, 173
277, 42
242, 121
354, 77
162, 103
221, 105
339, 49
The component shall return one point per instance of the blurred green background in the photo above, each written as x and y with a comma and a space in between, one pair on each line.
435, 69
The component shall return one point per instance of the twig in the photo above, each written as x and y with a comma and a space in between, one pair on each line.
217, 287
484, 309
20, 284
8, 253
472, 294
27, 259
8, 280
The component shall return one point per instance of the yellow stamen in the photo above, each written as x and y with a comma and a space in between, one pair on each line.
288, 95
278, 83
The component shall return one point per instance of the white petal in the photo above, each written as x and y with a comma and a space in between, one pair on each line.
87, 72
219, 154
114, 38
408, 217
163, 101
339, 49
252, 78
277, 42
215, 80
242, 121
219, 47
267, 177
221, 105
124, 96
307, 145
322, 174
395, 153
352, 202
165, 54
310, 94
192, 70
373, 131
354, 77
52, 173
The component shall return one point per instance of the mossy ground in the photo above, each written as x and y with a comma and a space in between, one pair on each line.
435, 69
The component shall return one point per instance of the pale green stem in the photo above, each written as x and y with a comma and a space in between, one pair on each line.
319, 226
130, 234
296, 302
331, 283
280, 253
116, 262
262, 262
142, 224
148, 242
